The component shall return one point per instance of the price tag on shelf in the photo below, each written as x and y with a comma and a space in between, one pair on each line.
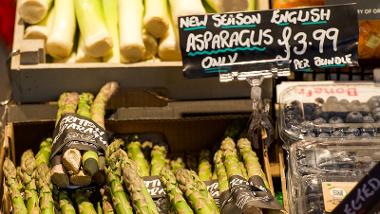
243, 45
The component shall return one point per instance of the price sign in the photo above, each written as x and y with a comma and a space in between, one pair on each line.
302, 39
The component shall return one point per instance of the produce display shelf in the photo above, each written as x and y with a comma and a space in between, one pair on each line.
33, 83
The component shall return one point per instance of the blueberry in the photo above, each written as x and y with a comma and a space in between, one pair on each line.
319, 121
319, 113
354, 117
332, 99
309, 110
335, 120
368, 119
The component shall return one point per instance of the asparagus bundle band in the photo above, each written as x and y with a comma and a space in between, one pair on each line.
14, 187
158, 159
197, 199
177, 200
204, 168
141, 200
28, 175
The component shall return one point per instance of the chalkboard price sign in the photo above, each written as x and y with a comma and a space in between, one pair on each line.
300, 39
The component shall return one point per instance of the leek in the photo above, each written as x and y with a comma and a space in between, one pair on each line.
156, 20
34, 11
130, 21
111, 15
61, 36
97, 39
40, 30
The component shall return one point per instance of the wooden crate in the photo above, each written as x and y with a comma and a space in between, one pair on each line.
188, 126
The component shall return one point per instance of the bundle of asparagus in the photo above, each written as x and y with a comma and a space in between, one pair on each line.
121, 168
75, 167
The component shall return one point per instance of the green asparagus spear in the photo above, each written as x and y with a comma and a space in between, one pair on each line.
158, 160
231, 160
98, 107
141, 199
135, 153
177, 164
204, 168
243, 170
14, 187
28, 175
45, 187
114, 181
43, 155
65, 204
84, 105
251, 160
220, 171
106, 202
201, 186
199, 203
83, 203
99, 208
176, 197
67, 103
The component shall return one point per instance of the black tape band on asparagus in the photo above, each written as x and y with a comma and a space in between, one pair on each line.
204, 168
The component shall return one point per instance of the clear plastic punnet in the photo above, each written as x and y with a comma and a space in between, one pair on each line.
323, 172
329, 110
